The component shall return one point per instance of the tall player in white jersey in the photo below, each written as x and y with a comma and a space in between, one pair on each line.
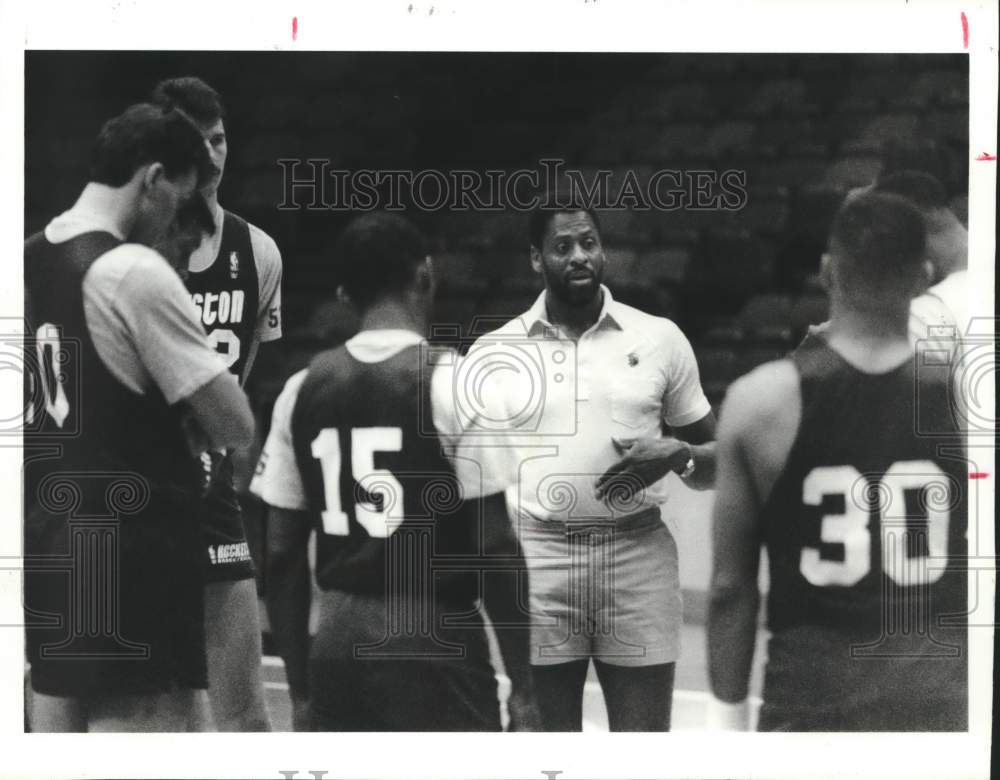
234, 278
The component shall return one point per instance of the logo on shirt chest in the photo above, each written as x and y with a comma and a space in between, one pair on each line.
234, 265
221, 308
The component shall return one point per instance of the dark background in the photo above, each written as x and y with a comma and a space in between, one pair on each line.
805, 128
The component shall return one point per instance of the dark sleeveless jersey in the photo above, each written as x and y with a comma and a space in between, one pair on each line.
79, 407
99, 456
227, 295
386, 504
865, 531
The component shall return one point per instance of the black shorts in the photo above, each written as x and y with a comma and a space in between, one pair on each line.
224, 537
115, 606
363, 677
824, 680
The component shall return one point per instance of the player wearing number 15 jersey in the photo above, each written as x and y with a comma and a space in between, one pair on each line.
405, 536
234, 278
863, 518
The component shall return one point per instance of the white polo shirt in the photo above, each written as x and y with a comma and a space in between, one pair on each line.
565, 402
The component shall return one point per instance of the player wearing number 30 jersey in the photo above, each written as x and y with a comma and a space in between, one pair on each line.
864, 519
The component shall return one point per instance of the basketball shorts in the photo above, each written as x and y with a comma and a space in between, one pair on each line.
609, 591
371, 671
115, 606
224, 536
813, 681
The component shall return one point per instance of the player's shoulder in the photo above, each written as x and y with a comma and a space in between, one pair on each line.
265, 249
143, 267
757, 398
292, 385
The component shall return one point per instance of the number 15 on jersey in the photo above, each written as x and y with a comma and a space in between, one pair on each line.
378, 519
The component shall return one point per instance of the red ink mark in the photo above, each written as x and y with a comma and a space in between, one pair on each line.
978, 474
965, 31
986, 157
295, 27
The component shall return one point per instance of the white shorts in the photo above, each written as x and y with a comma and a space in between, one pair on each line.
604, 591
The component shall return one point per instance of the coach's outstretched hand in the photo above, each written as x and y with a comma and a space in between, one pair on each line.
524, 712
643, 463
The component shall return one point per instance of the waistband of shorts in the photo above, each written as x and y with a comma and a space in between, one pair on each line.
641, 520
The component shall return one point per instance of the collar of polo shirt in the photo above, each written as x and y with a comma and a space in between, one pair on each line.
536, 318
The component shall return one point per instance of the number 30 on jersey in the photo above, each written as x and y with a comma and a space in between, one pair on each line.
851, 528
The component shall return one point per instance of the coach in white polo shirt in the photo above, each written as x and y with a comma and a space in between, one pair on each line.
587, 384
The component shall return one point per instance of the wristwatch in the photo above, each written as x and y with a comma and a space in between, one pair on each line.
689, 466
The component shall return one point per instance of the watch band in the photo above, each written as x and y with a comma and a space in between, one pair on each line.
689, 466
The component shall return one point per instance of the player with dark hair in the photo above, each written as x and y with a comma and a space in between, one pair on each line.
186, 233
234, 277
408, 540
113, 600
863, 518
605, 583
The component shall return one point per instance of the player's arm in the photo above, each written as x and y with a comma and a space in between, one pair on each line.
289, 595
485, 466
734, 598
505, 599
289, 586
700, 438
156, 310
267, 329
221, 411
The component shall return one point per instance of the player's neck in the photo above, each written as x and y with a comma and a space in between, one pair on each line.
575, 320
115, 203
393, 315
212, 199
873, 342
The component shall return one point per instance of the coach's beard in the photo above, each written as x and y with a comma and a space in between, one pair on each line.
578, 289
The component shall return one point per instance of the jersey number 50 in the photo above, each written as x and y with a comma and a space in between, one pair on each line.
850, 528
365, 442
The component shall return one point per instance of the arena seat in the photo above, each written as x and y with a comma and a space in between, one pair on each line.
669, 264
766, 210
767, 309
895, 126
731, 135
851, 172
750, 357
465, 272
938, 85
778, 96
717, 368
808, 309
